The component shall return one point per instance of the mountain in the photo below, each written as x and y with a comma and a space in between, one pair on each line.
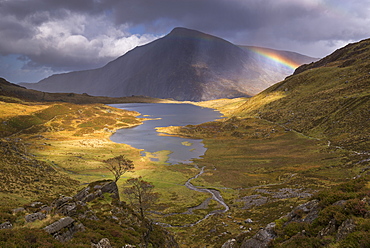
183, 65
328, 99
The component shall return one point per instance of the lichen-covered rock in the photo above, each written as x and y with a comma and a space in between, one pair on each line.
58, 203
36, 204
103, 243
231, 243
90, 193
328, 230
58, 225
6, 225
310, 209
65, 206
111, 187
64, 229
80, 196
18, 210
346, 228
35, 216
262, 238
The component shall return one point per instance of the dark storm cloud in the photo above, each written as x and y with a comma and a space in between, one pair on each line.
78, 34
213, 15
307, 20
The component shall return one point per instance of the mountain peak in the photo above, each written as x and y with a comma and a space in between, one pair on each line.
184, 65
181, 32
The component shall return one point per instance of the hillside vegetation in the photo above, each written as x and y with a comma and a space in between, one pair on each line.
329, 99
33, 186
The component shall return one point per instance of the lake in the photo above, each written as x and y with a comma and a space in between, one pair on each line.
146, 137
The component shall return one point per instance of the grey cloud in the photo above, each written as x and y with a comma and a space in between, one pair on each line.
47, 31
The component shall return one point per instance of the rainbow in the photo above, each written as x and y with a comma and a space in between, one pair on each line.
267, 53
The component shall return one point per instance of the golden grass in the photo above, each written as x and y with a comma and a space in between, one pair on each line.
8, 110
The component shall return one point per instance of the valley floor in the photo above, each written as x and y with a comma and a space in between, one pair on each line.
261, 170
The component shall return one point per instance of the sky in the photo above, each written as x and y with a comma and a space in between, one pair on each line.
39, 38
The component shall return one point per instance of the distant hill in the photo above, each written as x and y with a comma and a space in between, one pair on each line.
183, 65
10, 92
328, 99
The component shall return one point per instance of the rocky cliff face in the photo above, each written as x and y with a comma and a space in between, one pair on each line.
184, 65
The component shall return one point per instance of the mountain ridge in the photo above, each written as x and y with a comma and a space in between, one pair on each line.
183, 65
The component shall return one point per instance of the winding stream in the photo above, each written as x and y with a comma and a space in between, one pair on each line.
216, 195
182, 150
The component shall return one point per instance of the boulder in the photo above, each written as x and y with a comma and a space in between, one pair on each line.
6, 225
103, 243
18, 210
58, 203
248, 221
347, 227
111, 187
231, 243
58, 225
80, 196
310, 209
261, 239
91, 193
36, 204
35, 216
65, 205
64, 229
328, 230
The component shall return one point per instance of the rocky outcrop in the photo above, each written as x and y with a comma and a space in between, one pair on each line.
70, 206
231, 243
6, 225
306, 212
64, 229
262, 238
103, 243
309, 209
81, 212
92, 192
35, 216
347, 227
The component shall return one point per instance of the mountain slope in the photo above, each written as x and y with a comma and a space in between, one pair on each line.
327, 99
184, 65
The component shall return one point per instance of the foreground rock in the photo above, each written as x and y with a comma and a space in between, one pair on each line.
262, 237
95, 210
64, 229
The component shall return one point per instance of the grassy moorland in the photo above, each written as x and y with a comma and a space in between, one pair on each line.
301, 139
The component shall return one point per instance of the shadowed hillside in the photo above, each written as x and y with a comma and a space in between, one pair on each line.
184, 65
14, 93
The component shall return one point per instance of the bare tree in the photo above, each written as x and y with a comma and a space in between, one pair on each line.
118, 166
140, 195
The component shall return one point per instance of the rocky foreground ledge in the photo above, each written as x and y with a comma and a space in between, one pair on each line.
338, 216
66, 216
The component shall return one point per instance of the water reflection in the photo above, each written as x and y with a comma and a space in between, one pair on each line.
145, 136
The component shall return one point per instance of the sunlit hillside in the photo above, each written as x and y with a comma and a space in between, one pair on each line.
329, 99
